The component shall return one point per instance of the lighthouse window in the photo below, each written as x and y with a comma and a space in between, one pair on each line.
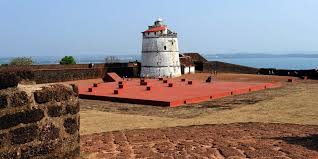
165, 47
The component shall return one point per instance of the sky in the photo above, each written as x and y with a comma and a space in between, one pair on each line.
111, 27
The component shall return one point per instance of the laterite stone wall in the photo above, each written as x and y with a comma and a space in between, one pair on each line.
227, 68
39, 122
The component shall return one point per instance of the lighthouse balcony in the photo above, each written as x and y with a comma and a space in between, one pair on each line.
171, 35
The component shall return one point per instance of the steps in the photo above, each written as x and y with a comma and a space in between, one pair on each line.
111, 77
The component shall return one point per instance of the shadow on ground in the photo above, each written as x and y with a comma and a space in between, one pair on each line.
309, 142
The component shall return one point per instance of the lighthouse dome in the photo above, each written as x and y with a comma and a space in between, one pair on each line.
159, 22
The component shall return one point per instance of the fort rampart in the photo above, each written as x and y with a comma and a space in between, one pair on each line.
11, 75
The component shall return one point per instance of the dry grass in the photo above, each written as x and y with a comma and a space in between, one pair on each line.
293, 103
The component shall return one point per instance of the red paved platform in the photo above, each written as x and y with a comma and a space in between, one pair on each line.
171, 93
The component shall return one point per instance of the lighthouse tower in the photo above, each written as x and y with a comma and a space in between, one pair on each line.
160, 52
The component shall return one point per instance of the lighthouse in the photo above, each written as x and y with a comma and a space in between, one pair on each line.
160, 52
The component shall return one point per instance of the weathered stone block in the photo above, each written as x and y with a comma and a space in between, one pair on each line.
53, 93
3, 139
49, 132
32, 116
38, 150
25, 117
75, 89
55, 111
3, 100
24, 135
19, 99
73, 153
71, 126
8, 155
63, 93
43, 96
70, 109
8, 80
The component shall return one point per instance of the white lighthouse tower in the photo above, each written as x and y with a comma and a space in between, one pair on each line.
160, 52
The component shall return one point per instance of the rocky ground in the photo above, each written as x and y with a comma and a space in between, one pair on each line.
239, 140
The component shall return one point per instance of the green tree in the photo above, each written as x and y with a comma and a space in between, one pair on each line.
21, 61
67, 60
3, 65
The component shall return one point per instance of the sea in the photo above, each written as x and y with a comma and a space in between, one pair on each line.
294, 61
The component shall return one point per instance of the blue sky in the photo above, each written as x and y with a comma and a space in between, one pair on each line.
77, 27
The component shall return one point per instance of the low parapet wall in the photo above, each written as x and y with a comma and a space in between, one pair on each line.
52, 66
11, 75
39, 122
51, 73
62, 75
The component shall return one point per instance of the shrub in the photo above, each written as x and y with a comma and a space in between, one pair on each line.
21, 61
67, 60
4, 65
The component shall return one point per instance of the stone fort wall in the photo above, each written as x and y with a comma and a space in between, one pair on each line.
11, 75
224, 67
53, 73
39, 122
